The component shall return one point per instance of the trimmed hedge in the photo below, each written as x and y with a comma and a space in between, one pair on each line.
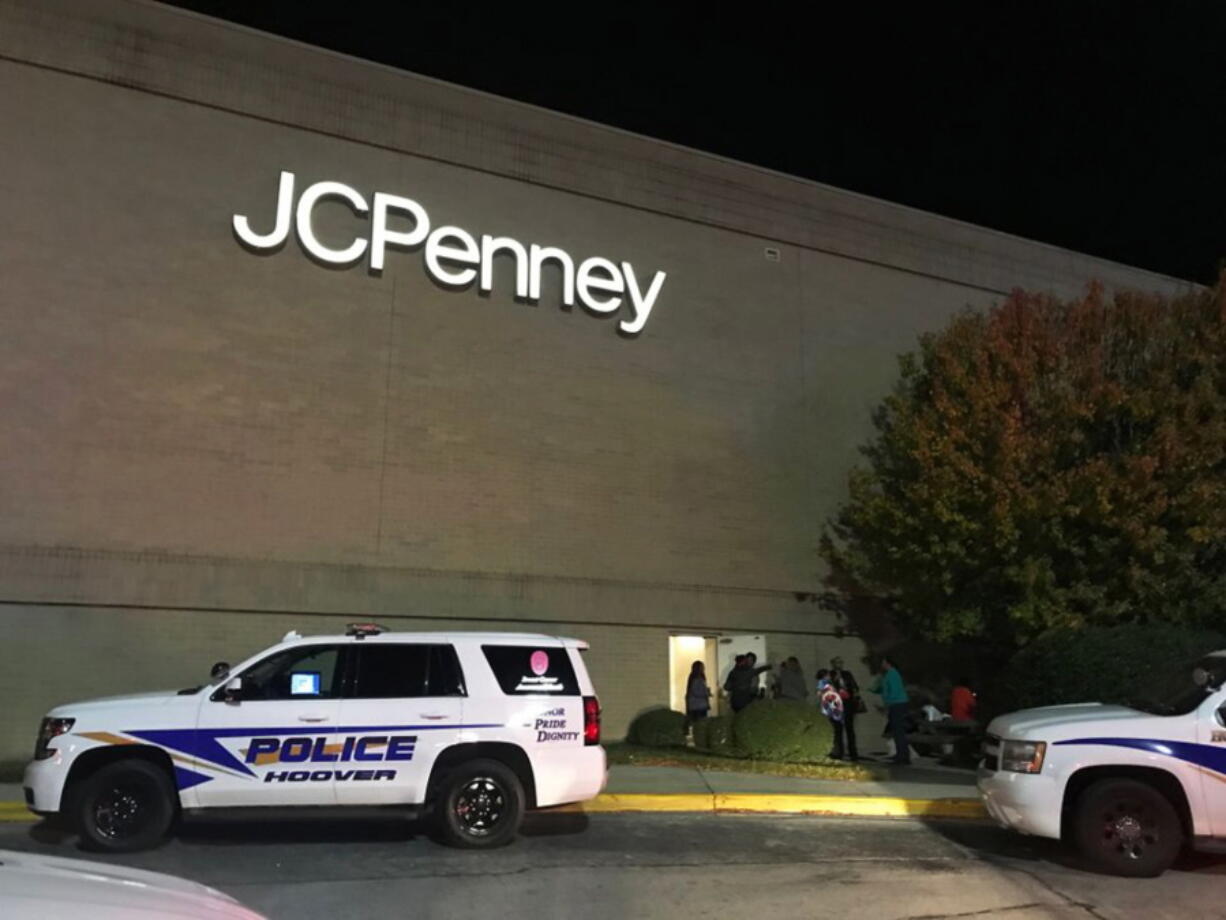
657, 728
783, 730
714, 734
1098, 665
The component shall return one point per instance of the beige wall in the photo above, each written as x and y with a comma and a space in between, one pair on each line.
201, 448
73, 653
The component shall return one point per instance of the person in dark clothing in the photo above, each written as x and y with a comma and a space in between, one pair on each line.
751, 659
742, 682
845, 732
697, 694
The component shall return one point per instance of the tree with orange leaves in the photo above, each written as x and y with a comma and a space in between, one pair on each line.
1045, 464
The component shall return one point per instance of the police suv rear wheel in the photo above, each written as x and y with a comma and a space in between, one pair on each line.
125, 806
480, 805
1128, 828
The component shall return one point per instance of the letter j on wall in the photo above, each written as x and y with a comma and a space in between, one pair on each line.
453, 257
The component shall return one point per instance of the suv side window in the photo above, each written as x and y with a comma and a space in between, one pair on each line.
385, 671
526, 670
305, 672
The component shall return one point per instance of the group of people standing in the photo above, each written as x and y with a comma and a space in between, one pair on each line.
838, 695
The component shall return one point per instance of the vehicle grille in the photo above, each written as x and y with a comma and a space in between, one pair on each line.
991, 754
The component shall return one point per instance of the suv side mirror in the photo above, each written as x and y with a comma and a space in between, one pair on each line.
233, 690
219, 670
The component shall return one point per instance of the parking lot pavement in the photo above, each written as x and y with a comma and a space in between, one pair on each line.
658, 865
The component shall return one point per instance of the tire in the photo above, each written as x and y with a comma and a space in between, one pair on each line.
1129, 828
480, 805
124, 806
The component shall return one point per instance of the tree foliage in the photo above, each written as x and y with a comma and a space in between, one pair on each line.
1101, 665
1048, 464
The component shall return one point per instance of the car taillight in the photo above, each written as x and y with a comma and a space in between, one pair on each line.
591, 720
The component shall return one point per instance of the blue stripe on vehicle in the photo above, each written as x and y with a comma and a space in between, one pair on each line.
202, 742
186, 778
1202, 755
435, 726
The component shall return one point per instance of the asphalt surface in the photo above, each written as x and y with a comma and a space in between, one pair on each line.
659, 866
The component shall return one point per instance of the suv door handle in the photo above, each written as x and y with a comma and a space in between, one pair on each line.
312, 718
434, 716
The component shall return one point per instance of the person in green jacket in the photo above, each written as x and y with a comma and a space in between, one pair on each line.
893, 693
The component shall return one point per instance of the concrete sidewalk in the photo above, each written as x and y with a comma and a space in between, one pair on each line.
919, 782
929, 791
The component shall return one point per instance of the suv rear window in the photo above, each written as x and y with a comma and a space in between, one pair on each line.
527, 670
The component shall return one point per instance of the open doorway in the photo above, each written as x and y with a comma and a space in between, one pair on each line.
683, 651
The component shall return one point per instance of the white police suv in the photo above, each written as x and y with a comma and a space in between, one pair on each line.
1129, 785
473, 728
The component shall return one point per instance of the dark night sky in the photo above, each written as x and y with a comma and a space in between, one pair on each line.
1096, 125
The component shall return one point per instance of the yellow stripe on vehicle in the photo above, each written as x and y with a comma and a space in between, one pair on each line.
107, 738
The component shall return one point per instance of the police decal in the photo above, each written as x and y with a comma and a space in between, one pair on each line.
360, 750
551, 726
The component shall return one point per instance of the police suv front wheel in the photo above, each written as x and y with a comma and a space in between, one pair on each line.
480, 805
1126, 827
125, 806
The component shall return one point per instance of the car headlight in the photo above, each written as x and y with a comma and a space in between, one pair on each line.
1022, 756
51, 728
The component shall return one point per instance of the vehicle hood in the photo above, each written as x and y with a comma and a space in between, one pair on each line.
158, 698
1055, 723
50, 887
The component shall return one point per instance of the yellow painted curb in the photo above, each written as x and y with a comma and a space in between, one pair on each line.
837, 805
11, 812
626, 802
853, 806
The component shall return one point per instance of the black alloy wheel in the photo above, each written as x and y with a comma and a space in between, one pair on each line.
1127, 827
125, 806
481, 804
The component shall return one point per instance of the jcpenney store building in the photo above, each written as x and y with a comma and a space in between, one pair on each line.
292, 340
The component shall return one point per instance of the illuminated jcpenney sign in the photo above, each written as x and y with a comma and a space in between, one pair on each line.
454, 257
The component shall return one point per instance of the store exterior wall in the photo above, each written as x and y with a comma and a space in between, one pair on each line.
203, 447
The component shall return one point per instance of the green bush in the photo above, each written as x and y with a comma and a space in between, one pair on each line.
1100, 665
657, 728
783, 730
714, 735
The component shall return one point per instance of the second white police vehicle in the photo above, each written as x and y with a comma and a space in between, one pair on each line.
1131, 786
471, 728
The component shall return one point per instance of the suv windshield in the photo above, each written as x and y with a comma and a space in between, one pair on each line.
1184, 689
